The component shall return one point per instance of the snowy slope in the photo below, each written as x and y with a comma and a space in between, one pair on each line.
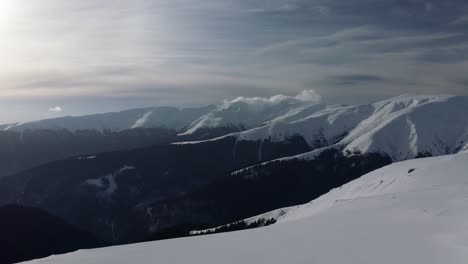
249, 113
410, 212
3, 127
170, 117
401, 127
242, 112
402, 177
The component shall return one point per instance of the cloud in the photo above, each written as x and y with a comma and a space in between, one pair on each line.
55, 109
325, 40
428, 6
460, 21
309, 96
358, 40
304, 97
283, 8
355, 79
196, 52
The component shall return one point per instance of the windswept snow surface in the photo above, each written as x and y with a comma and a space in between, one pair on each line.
410, 212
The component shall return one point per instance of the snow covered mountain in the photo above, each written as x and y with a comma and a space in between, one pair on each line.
240, 113
403, 127
254, 112
336, 144
22, 145
154, 117
409, 212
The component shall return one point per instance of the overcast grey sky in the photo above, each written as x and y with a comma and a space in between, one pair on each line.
78, 57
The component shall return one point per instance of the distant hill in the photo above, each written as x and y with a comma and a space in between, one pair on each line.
29, 233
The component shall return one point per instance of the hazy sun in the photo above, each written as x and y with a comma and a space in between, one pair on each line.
7, 8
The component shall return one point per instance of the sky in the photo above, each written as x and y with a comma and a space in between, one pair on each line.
78, 57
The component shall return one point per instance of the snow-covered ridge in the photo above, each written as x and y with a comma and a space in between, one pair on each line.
402, 177
409, 212
253, 112
153, 117
242, 112
402, 127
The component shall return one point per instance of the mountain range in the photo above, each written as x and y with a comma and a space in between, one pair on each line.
364, 128
161, 172
403, 127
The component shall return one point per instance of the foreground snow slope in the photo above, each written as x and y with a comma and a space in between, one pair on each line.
410, 212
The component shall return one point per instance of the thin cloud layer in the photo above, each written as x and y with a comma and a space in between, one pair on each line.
304, 97
463, 20
56, 109
190, 52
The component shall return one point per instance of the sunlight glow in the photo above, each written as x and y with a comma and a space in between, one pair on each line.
7, 10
